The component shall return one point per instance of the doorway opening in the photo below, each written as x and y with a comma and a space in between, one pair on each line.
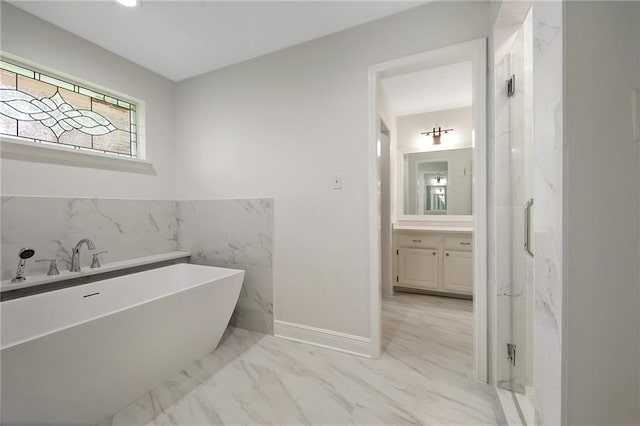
428, 224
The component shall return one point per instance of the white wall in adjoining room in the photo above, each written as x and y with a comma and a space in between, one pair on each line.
387, 157
283, 125
410, 128
38, 41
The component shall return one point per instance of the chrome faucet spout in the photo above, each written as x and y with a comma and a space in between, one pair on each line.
75, 256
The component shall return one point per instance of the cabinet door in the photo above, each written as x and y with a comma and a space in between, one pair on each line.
418, 268
458, 272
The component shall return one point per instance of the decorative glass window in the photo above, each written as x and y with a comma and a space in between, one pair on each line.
40, 108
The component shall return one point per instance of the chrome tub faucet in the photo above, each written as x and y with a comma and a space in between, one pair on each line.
75, 258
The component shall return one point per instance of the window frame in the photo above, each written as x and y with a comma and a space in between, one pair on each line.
16, 145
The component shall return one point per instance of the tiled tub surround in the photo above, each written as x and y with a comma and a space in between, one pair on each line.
44, 283
52, 226
235, 234
232, 233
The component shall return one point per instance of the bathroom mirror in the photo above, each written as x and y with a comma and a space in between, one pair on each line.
437, 182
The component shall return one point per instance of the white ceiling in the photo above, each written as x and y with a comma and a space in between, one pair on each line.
433, 89
180, 39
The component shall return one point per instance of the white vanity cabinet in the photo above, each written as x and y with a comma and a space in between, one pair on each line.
433, 261
457, 274
418, 268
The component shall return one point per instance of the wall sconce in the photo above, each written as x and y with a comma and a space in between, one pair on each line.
436, 133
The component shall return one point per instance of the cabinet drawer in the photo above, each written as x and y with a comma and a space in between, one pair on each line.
417, 241
458, 243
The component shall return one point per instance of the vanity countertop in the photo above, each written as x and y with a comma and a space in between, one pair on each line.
435, 228
34, 280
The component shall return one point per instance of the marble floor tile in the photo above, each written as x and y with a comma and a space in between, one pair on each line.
423, 377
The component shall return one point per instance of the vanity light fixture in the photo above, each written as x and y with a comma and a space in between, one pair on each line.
128, 3
439, 180
436, 133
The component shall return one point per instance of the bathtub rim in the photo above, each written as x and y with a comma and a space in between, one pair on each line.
200, 283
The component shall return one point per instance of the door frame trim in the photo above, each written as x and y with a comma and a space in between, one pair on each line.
476, 52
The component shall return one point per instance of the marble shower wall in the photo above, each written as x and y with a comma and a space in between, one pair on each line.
547, 305
235, 234
549, 139
228, 233
52, 226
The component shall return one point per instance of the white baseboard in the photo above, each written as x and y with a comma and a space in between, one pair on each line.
348, 343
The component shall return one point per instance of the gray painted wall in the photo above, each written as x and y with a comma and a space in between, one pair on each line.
35, 40
602, 323
273, 115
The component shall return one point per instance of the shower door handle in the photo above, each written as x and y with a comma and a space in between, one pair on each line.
527, 227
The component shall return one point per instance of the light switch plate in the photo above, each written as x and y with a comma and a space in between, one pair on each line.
337, 182
635, 111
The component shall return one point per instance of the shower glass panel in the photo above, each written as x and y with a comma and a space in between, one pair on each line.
515, 270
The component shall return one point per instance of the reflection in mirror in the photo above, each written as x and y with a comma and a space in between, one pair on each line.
432, 187
438, 182
436, 199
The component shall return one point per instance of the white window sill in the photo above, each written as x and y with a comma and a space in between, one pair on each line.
16, 149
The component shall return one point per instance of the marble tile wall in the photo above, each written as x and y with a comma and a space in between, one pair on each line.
229, 233
534, 309
235, 234
548, 158
525, 312
52, 226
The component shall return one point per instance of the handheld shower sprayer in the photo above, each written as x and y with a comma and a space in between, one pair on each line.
23, 254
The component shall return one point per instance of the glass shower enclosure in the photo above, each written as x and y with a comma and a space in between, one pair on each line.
515, 204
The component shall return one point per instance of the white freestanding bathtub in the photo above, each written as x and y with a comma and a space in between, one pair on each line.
77, 355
